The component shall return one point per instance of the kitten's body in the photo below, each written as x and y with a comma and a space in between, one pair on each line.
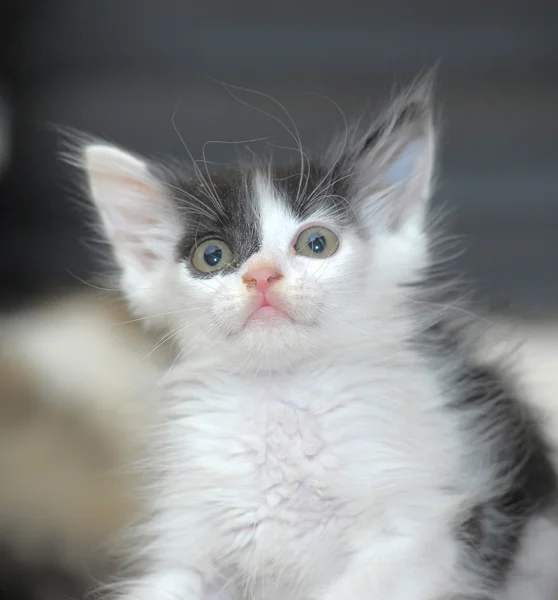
279, 479
345, 446
271, 474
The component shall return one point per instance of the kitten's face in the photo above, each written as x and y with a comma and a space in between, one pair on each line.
269, 278
266, 267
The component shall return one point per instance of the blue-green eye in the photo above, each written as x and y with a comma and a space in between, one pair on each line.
211, 256
317, 242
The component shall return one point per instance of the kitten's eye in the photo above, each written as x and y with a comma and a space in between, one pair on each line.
211, 256
317, 242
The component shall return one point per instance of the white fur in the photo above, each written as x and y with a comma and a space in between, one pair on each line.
534, 575
310, 460
135, 216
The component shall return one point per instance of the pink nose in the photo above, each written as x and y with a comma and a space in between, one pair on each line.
261, 278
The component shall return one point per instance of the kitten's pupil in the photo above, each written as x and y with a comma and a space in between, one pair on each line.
316, 243
212, 255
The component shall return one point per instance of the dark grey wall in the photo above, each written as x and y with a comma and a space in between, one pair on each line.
119, 67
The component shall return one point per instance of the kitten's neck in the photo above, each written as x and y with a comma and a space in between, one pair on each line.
367, 343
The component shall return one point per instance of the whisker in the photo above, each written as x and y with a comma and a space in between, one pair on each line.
295, 136
93, 286
154, 316
168, 336
319, 187
201, 206
209, 191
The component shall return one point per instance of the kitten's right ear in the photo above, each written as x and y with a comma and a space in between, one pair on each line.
136, 215
394, 163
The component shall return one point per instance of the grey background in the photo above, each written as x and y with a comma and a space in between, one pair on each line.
118, 68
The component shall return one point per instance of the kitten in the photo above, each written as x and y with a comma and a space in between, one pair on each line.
323, 434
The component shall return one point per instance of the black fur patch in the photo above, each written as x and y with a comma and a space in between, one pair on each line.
235, 216
496, 527
319, 188
493, 533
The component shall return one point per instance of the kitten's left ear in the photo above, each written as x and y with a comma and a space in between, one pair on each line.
137, 216
395, 161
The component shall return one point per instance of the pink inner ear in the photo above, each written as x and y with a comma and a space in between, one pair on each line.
131, 240
125, 219
148, 255
134, 185
142, 196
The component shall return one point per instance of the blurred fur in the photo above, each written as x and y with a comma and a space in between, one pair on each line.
73, 403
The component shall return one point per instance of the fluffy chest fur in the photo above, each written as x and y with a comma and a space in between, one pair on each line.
285, 473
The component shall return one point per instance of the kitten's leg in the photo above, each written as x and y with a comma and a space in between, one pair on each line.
398, 568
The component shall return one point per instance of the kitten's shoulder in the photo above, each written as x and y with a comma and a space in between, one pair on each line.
501, 425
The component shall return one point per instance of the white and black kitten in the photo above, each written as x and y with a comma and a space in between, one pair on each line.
322, 437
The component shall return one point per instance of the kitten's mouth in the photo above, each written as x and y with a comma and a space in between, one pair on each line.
267, 311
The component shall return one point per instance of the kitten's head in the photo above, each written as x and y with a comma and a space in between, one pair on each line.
267, 266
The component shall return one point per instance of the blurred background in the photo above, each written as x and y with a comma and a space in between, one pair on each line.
121, 69
118, 68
